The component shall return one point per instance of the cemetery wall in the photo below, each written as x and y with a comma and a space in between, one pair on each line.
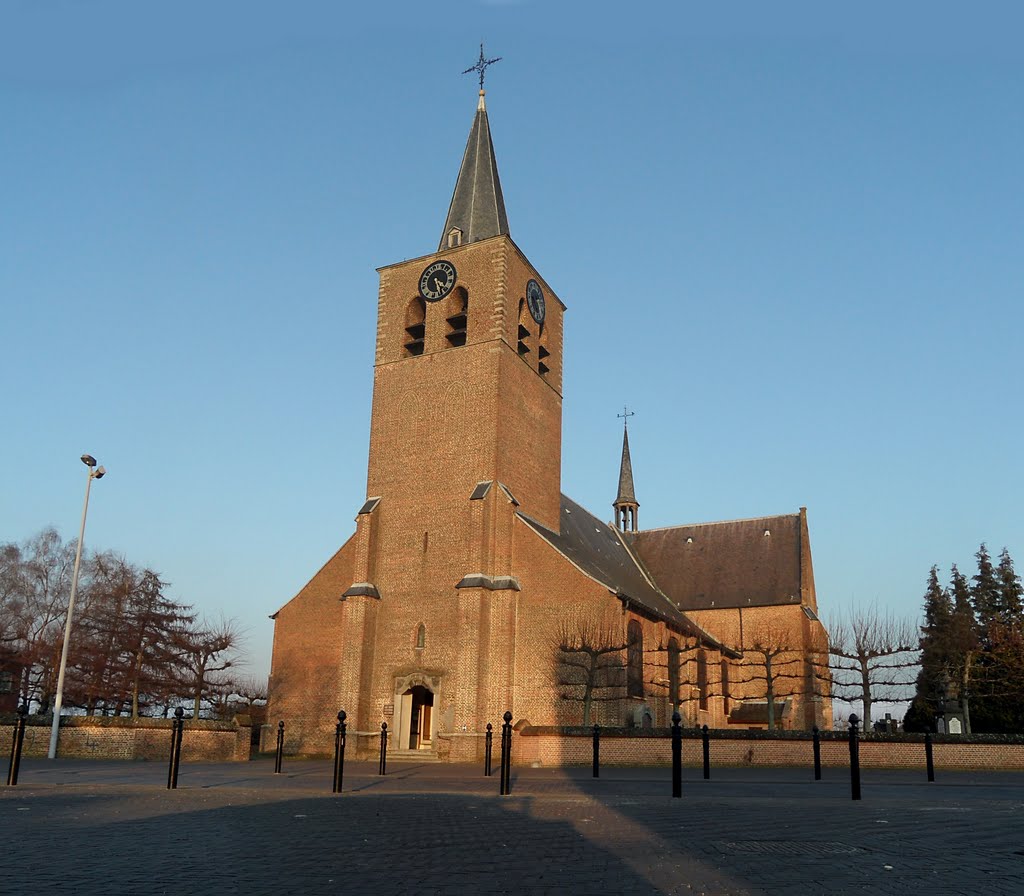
553, 746
90, 737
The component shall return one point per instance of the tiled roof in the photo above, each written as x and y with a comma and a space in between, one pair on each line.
599, 551
737, 563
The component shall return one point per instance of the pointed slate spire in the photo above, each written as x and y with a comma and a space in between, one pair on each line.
626, 505
626, 493
478, 208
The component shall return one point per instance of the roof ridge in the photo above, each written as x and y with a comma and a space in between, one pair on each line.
749, 519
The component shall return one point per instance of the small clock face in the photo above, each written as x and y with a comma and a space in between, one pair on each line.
535, 301
437, 280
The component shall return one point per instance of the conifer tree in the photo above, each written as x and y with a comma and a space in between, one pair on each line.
1001, 701
933, 676
985, 592
1011, 591
963, 644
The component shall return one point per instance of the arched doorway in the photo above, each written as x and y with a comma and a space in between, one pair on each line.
417, 719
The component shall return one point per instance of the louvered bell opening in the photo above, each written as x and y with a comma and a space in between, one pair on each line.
414, 345
542, 353
524, 334
457, 330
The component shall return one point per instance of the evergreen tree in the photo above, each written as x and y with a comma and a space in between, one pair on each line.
1011, 591
1001, 706
972, 649
985, 592
933, 676
963, 644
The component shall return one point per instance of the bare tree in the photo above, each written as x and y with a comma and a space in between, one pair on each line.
35, 585
208, 651
588, 659
775, 663
874, 656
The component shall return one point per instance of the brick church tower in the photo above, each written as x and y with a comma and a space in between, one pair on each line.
471, 583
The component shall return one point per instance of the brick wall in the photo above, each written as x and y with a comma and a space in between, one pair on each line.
118, 738
545, 746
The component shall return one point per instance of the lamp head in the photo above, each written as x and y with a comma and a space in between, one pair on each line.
88, 460
99, 473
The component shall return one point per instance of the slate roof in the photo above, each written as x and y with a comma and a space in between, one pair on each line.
600, 552
728, 564
626, 492
478, 208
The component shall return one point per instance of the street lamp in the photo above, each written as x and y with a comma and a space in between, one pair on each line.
94, 473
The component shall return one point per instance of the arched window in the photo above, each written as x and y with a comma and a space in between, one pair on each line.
421, 637
415, 327
458, 315
725, 687
634, 659
702, 679
673, 672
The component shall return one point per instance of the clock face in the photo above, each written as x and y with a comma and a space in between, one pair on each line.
535, 301
437, 280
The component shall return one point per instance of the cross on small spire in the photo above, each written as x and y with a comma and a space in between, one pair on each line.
625, 415
481, 66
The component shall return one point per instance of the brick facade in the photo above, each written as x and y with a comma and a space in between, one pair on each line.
443, 609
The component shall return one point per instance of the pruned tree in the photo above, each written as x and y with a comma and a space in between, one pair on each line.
774, 663
207, 652
588, 661
689, 681
874, 656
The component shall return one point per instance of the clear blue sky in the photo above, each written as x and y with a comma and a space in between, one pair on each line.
790, 237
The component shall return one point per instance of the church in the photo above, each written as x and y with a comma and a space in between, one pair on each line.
471, 585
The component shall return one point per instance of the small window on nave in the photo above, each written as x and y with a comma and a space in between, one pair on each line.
702, 679
415, 327
726, 695
421, 637
634, 659
673, 672
458, 316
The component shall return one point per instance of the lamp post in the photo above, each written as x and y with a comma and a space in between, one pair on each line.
94, 473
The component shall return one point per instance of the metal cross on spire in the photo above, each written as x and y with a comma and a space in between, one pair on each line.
481, 65
625, 415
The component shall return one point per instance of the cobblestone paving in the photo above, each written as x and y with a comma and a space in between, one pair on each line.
112, 828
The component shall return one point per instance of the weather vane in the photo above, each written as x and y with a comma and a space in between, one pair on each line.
481, 65
625, 415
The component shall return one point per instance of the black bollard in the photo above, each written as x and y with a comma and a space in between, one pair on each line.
17, 739
817, 753
279, 756
339, 751
597, 750
487, 750
707, 752
382, 768
677, 755
506, 755
854, 758
929, 763
177, 727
